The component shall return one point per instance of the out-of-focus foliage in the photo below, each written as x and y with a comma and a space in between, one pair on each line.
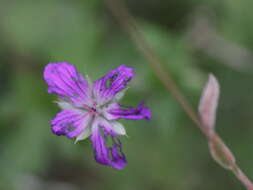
167, 152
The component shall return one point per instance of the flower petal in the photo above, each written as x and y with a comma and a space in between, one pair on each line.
65, 105
85, 134
120, 95
115, 111
64, 80
107, 155
118, 128
118, 157
105, 88
112, 128
70, 123
98, 142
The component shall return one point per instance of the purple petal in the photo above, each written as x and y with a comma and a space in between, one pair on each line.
107, 127
105, 88
118, 157
64, 80
70, 123
99, 147
115, 111
107, 155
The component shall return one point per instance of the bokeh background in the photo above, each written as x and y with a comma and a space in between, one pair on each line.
191, 38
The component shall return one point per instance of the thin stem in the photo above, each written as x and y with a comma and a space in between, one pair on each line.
129, 24
242, 177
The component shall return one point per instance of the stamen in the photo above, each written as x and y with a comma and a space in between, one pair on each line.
92, 110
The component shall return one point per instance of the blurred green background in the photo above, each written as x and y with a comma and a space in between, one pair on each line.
192, 38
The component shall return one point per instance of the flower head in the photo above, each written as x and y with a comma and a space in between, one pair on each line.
92, 110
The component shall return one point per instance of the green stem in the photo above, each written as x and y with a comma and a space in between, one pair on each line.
129, 24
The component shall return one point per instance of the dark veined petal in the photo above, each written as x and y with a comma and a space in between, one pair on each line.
105, 88
64, 80
104, 154
70, 123
118, 157
115, 111
99, 146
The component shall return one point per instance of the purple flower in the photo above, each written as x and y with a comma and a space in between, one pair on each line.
91, 110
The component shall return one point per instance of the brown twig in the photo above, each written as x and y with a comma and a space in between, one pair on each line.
129, 24
121, 13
